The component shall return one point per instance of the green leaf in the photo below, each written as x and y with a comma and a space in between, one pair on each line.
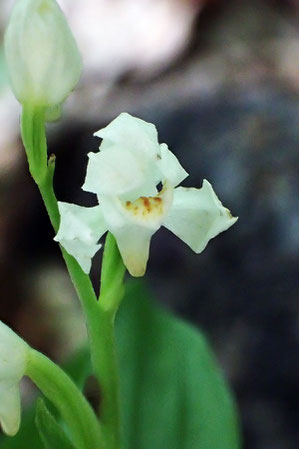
51, 434
173, 394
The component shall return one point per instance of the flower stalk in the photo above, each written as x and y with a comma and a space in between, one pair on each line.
99, 313
112, 292
37, 35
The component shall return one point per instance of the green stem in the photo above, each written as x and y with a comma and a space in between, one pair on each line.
99, 314
112, 291
34, 138
74, 408
107, 374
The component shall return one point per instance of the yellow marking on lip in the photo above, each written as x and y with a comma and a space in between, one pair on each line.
146, 207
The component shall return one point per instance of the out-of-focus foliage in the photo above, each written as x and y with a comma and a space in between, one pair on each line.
27, 437
49, 430
172, 393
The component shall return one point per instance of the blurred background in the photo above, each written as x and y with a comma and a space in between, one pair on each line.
220, 79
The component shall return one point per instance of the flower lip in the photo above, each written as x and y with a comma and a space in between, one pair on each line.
146, 207
145, 211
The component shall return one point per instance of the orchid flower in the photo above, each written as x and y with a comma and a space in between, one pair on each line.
125, 175
13, 358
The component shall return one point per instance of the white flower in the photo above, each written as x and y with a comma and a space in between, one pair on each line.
43, 60
13, 356
124, 175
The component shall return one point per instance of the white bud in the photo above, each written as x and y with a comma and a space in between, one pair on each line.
13, 359
43, 60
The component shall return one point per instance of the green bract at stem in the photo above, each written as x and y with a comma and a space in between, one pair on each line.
82, 422
112, 276
99, 314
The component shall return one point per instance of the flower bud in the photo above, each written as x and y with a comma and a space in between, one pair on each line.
13, 359
43, 60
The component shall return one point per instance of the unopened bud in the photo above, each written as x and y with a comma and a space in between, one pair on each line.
43, 60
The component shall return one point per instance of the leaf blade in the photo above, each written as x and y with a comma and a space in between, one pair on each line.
173, 394
51, 434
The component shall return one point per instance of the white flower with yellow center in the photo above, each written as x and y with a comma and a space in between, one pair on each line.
124, 175
13, 358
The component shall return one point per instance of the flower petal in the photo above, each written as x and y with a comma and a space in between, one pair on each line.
117, 172
126, 166
79, 231
197, 215
10, 408
133, 224
132, 133
170, 167
13, 355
